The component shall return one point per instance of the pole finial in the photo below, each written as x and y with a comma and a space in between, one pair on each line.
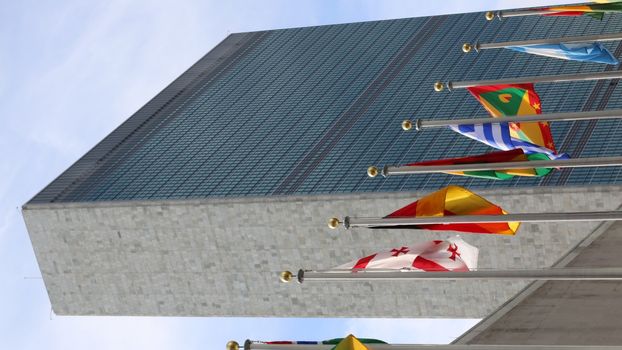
233, 345
438, 86
372, 171
466, 47
490, 16
285, 277
407, 125
333, 223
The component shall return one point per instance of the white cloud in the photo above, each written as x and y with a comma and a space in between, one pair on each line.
122, 55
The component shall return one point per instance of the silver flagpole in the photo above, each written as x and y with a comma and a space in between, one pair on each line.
349, 222
420, 124
490, 15
563, 274
467, 47
250, 345
562, 163
617, 74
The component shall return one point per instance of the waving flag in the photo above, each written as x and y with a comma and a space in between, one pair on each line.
511, 100
514, 155
453, 254
454, 200
508, 99
502, 136
584, 52
285, 342
596, 11
351, 343
362, 340
334, 341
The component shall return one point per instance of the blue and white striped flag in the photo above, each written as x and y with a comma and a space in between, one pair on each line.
584, 52
498, 135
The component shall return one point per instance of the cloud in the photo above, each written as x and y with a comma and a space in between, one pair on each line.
100, 69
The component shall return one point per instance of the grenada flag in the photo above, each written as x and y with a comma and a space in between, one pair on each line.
508, 99
517, 99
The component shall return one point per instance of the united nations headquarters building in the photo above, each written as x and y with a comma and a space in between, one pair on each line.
196, 203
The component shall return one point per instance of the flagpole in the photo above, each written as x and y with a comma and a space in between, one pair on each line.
349, 222
467, 47
561, 163
420, 124
490, 15
548, 274
451, 85
256, 345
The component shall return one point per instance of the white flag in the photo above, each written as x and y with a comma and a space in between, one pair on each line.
453, 254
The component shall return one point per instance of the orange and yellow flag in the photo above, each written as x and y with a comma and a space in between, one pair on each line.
455, 200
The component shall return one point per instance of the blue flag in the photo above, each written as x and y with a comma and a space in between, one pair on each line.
498, 135
584, 52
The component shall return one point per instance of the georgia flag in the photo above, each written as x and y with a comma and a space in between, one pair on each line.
453, 254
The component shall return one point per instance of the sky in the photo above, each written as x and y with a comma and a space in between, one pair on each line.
72, 71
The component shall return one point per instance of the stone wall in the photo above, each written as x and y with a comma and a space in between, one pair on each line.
222, 257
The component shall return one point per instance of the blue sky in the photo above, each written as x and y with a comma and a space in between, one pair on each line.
70, 72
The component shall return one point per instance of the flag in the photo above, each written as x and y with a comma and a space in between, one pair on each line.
351, 343
454, 200
514, 155
285, 342
584, 52
501, 136
453, 254
324, 342
596, 11
508, 99
362, 340
511, 100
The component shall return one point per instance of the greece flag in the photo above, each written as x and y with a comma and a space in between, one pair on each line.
497, 135
585, 52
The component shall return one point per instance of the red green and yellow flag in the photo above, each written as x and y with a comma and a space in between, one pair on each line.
515, 155
596, 11
516, 99
508, 99
455, 200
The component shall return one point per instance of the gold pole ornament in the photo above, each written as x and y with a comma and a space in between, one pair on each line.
285, 277
372, 171
490, 15
438, 86
333, 223
233, 345
466, 47
407, 125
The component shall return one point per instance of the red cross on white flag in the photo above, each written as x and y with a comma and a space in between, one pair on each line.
453, 254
